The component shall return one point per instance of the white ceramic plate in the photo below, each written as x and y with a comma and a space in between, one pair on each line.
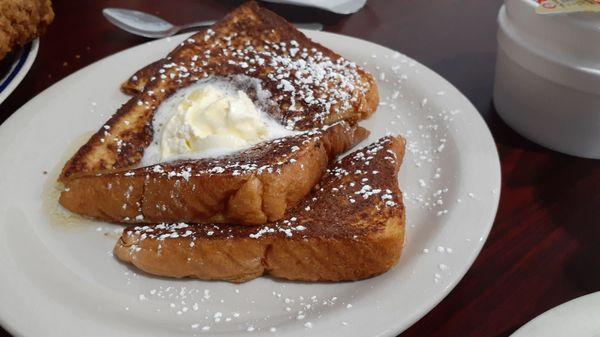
577, 318
18, 69
59, 280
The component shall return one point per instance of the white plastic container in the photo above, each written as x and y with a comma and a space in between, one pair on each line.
547, 84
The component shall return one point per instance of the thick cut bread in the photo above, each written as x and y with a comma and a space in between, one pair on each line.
251, 187
350, 227
310, 84
299, 83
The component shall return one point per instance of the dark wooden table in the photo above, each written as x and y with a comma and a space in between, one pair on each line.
544, 248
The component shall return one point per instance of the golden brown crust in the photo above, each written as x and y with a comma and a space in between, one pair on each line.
266, 32
350, 227
298, 82
120, 143
227, 189
22, 21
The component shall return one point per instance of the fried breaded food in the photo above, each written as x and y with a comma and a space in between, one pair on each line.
309, 87
22, 21
350, 227
251, 187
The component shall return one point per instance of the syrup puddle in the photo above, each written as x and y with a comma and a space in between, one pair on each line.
59, 217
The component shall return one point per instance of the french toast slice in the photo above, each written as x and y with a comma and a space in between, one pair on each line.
310, 84
297, 82
350, 227
249, 187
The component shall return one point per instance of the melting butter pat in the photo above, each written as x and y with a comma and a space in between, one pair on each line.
212, 119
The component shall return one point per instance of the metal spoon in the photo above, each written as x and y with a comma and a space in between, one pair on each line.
148, 25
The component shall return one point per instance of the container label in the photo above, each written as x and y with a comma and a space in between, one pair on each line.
566, 6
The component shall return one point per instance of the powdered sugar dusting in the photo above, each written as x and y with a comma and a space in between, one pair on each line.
305, 83
427, 143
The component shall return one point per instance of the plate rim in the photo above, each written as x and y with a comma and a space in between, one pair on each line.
581, 301
17, 74
476, 118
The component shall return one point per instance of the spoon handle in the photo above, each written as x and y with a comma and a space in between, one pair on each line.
198, 24
306, 25
309, 25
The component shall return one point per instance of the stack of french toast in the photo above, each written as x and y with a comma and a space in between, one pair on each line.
225, 162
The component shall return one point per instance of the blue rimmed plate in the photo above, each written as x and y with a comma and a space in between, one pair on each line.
20, 66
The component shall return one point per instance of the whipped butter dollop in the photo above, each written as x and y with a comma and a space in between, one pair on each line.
208, 120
